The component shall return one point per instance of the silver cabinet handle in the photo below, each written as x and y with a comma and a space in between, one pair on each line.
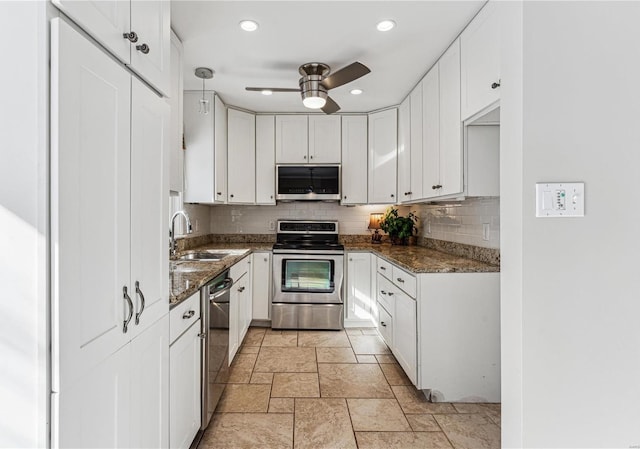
383, 268
132, 36
266, 259
241, 289
139, 292
219, 193
401, 280
383, 324
310, 157
304, 157
188, 314
390, 293
144, 48
383, 292
392, 195
130, 304
202, 335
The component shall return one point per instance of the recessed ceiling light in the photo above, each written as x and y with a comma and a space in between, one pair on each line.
356, 91
385, 25
249, 25
266, 92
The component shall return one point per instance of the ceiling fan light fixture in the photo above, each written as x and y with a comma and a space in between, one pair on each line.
385, 25
249, 25
314, 94
356, 91
314, 102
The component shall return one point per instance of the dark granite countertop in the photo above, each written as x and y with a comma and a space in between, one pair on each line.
186, 278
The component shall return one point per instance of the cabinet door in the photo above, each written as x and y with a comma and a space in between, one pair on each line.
291, 139
480, 61
244, 306
354, 159
261, 283
151, 20
105, 20
149, 366
149, 203
219, 151
94, 411
359, 287
184, 388
241, 157
199, 185
405, 334
324, 139
383, 143
90, 147
404, 150
416, 176
450, 124
431, 133
176, 161
265, 159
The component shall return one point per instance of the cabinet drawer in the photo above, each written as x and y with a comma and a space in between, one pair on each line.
183, 316
385, 327
240, 268
385, 293
384, 268
405, 281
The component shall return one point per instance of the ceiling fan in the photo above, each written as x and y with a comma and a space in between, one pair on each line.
316, 82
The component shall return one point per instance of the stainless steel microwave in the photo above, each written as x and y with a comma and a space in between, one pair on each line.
308, 182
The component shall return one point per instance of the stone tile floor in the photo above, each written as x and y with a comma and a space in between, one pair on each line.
331, 390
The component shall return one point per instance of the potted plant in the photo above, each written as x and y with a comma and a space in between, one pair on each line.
400, 229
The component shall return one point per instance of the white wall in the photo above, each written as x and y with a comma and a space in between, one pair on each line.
462, 221
580, 297
255, 219
24, 350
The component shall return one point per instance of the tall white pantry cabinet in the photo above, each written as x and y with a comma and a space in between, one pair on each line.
109, 180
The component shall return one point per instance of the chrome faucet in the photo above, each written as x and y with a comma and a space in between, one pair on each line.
172, 232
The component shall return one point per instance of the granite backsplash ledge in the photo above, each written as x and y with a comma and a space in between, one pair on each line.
481, 254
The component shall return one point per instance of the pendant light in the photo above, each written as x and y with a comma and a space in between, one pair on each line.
204, 73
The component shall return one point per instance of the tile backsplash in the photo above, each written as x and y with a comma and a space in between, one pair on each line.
459, 221
259, 219
462, 221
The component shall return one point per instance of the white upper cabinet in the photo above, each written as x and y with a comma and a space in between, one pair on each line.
480, 61
354, 159
265, 160
324, 139
241, 156
308, 139
176, 159
431, 133
205, 157
292, 138
136, 32
383, 142
404, 150
442, 163
450, 123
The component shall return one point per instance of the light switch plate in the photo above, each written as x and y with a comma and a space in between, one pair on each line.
559, 199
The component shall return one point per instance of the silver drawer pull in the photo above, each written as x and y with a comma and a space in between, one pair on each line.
241, 289
188, 314
202, 335
127, 320
383, 268
401, 280
390, 293
383, 292
383, 324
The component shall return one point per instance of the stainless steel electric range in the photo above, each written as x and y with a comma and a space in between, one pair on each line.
308, 271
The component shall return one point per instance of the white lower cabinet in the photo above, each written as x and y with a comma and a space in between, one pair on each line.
261, 283
405, 335
358, 298
240, 304
123, 401
385, 326
185, 405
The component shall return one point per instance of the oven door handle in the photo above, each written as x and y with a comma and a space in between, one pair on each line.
228, 283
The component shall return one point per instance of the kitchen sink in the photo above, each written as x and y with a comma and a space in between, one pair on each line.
211, 255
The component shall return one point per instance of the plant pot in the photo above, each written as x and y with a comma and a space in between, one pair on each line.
395, 240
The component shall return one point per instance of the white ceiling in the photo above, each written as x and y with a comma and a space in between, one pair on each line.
334, 32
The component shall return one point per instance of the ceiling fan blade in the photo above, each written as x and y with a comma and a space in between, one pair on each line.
272, 89
345, 75
330, 106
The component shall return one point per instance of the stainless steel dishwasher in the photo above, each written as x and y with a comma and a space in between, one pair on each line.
214, 300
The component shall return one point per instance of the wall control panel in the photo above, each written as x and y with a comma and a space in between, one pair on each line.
560, 199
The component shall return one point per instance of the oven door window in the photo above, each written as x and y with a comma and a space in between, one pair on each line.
310, 276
